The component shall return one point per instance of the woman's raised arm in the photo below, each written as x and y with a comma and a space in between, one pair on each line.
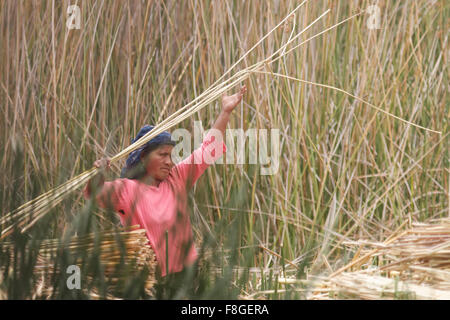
212, 148
228, 105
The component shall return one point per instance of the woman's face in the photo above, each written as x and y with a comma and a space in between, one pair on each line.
159, 162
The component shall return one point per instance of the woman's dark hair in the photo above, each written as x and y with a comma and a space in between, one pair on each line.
138, 170
147, 150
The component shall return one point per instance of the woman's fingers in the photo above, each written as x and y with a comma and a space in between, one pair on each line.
238, 94
102, 163
230, 102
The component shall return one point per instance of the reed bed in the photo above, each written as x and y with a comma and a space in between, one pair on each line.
414, 264
363, 120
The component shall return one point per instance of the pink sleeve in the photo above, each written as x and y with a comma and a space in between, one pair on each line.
191, 168
113, 193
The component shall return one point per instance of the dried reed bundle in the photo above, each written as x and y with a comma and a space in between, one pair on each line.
361, 285
136, 253
29, 213
412, 264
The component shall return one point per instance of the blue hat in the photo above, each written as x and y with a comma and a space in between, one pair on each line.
135, 156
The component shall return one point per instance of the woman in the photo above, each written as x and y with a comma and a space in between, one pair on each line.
152, 191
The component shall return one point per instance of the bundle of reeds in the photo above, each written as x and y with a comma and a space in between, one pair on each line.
115, 249
413, 264
372, 286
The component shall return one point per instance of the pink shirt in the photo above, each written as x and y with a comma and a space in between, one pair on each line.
157, 209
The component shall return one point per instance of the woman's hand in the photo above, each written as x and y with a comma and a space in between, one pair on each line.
228, 105
96, 182
230, 102
103, 163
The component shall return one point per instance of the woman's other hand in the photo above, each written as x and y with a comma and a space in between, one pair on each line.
230, 102
103, 163
97, 181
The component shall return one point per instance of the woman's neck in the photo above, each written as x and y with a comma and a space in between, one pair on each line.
149, 180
